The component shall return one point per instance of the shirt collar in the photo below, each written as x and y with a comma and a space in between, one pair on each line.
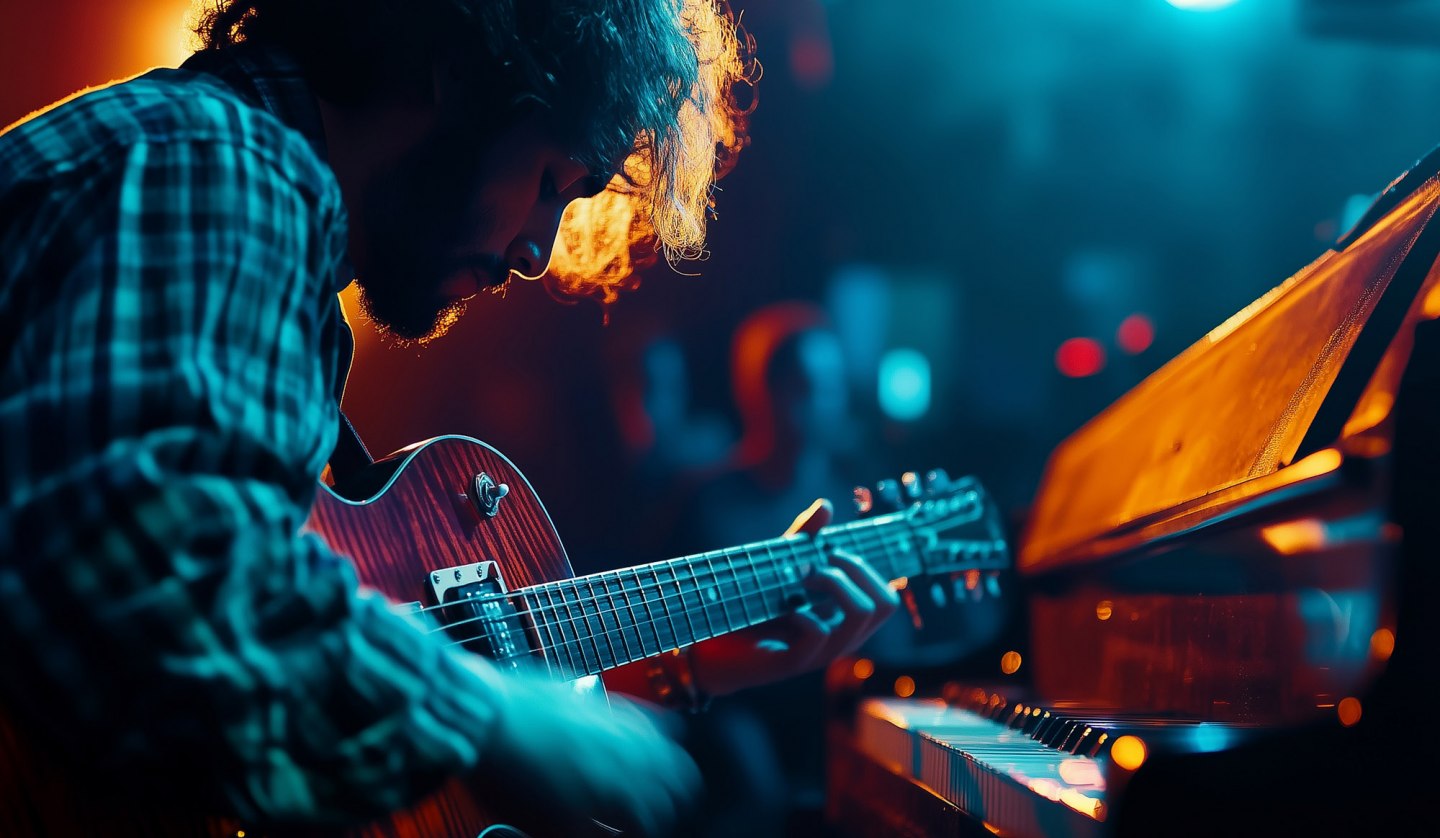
272, 80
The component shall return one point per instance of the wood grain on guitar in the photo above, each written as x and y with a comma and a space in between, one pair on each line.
450, 529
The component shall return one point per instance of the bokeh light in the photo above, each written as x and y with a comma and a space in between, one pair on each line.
1136, 334
1128, 752
904, 384
1201, 5
1080, 357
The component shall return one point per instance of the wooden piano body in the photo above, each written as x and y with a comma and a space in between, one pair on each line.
1226, 575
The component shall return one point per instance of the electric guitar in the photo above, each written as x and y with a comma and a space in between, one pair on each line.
449, 528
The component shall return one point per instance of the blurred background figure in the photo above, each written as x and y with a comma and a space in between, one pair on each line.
762, 750
666, 443
799, 439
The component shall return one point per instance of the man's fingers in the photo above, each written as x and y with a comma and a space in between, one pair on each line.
886, 599
855, 606
812, 520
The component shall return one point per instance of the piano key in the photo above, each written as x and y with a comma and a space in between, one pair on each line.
1028, 770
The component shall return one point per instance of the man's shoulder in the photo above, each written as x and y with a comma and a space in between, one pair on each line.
165, 106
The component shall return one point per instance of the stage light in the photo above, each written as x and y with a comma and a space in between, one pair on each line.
1080, 357
1201, 5
1135, 334
1349, 711
904, 384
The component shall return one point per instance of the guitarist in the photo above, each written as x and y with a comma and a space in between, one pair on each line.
171, 354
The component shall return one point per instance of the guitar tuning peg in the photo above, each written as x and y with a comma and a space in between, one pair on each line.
887, 496
936, 480
911, 481
864, 500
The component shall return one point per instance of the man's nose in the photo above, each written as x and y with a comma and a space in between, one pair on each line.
527, 257
529, 253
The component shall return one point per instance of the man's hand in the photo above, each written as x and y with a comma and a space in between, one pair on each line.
561, 761
856, 601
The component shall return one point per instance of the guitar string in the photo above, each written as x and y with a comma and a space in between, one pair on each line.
855, 529
865, 543
655, 593
656, 622
556, 621
643, 587
578, 659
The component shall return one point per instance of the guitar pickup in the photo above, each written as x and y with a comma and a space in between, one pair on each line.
484, 576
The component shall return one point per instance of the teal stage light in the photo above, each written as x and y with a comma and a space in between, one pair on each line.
904, 384
1201, 5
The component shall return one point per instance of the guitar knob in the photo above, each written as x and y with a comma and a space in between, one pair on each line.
911, 481
864, 500
486, 494
936, 480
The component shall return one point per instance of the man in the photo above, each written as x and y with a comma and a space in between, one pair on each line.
172, 352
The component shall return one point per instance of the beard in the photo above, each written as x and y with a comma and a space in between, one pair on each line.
411, 217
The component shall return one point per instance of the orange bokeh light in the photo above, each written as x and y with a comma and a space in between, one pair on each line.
1382, 644
1128, 752
1295, 537
1349, 711
863, 668
904, 686
1010, 663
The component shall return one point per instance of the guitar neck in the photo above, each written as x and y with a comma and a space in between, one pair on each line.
590, 624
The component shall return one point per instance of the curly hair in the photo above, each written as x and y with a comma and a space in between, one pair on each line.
645, 89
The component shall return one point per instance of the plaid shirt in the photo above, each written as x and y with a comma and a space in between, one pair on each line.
170, 347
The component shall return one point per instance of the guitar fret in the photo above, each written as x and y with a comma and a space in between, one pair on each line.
739, 590
665, 600
686, 591
716, 593
608, 627
767, 587
644, 619
704, 595
566, 629
622, 615
587, 624
576, 629
544, 634
658, 616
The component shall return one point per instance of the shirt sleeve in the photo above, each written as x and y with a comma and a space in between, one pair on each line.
165, 410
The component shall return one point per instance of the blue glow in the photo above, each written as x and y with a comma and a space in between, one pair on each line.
904, 384
1210, 738
1201, 5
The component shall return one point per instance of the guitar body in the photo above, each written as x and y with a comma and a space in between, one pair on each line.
425, 519
417, 519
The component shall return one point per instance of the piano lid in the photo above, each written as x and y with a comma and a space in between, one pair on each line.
1275, 401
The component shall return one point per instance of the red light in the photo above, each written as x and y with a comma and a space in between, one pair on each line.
811, 60
1136, 334
1080, 357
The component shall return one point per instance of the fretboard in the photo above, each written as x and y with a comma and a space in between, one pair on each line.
590, 624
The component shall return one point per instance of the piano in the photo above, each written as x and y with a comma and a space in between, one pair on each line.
1226, 578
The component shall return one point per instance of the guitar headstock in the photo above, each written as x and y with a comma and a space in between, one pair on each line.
954, 526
